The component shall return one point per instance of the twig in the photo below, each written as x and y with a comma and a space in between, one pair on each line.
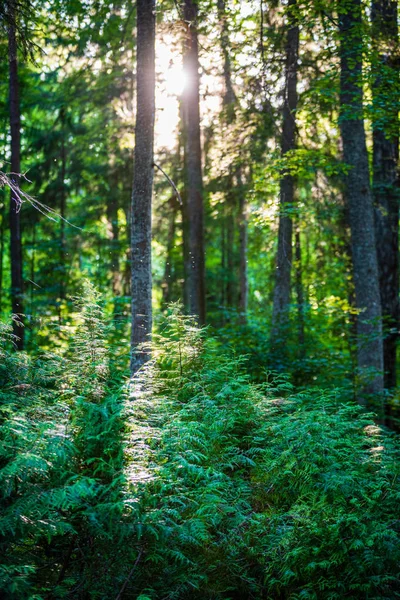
129, 576
170, 182
20, 197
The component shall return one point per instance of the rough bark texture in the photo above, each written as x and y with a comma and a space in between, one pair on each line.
141, 281
15, 223
385, 181
280, 311
195, 267
359, 199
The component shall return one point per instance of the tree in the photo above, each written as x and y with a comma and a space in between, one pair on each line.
359, 199
15, 222
193, 197
143, 184
280, 312
385, 178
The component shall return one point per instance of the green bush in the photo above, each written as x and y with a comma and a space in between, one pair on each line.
254, 491
197, 483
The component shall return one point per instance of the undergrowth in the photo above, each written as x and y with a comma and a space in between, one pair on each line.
191, 482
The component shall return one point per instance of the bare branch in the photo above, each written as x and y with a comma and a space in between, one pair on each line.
170, 182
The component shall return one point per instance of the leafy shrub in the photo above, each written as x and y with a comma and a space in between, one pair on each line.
196, 484
257, 492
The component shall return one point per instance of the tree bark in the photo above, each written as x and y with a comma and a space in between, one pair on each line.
195, 268
243, 238
63, 201
141, 279
359, 199
15, 223
385, 180
280, 311
300, 295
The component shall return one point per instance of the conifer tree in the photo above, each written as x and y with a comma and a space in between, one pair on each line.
359, 200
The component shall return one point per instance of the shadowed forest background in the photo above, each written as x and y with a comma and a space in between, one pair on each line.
166, 166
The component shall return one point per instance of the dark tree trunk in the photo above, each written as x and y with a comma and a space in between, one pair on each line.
141, 280
243, 235
2, 214
299, 294
195, 269
63, 200
280, 312
15, 224
231, 284
385, 180
359, 199
168, 268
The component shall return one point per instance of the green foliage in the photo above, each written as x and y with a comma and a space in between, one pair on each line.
253, 491
61, 467
196, 484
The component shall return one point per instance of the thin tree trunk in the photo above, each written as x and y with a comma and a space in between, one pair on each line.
2, 215
243, 237
228, 117
359, 199
280, 311
168, 270
299, 294
15, 224
143, 184
63, 271
194, 181
230, 245
385, 181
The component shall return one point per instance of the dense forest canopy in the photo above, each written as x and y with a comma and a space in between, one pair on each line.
199, 299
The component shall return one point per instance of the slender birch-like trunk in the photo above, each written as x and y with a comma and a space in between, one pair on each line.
141, 280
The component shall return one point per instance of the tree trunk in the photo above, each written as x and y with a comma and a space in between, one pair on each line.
2, 215
300, 295
195, 270
359, 199
15, 224
243, 236
141, 280
385, 180
168, 268
280, 311
63, 199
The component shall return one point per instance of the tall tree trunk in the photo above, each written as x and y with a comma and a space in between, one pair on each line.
15, 224
195, 270
63, 200
168, 268
2, 215
299, 294
359, 199
243, 236
385, 179
228, 117
280, 311
143, 184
